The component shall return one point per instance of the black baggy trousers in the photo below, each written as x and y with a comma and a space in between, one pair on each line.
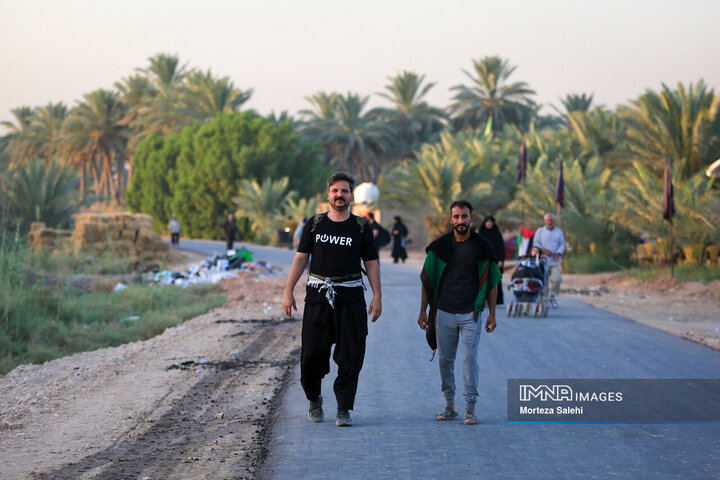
346, 327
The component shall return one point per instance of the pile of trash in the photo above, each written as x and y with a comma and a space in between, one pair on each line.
215, 268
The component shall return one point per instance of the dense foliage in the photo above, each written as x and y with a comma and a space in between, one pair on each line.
197, 173
175, 136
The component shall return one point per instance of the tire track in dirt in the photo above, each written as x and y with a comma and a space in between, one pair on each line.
205, 433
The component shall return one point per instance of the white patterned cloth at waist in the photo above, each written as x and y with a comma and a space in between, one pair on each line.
329, 286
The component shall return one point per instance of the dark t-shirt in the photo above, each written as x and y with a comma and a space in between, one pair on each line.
336, 249
459, 287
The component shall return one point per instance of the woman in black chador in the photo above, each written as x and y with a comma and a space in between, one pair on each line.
399, 234
490, 231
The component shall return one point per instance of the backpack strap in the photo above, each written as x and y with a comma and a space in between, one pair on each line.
315, 220
362, 221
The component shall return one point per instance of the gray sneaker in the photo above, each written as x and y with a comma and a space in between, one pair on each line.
343, 418
315, 413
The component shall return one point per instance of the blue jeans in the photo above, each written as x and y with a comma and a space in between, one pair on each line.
451, 328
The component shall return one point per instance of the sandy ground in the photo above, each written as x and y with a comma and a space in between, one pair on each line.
687, 309
197, 401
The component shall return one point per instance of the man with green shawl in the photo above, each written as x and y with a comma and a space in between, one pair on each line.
459, 276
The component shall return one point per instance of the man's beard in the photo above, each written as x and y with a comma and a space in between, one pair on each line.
461, 228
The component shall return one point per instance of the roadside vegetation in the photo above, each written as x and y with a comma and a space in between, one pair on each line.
41, 320
686, 273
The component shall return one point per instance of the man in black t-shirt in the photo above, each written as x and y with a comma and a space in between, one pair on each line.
459, 275
334, 313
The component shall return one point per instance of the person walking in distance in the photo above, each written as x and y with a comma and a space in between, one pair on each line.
230, 229
490, 231
174, 227
551, 241
335, 242
459, 275
399, 236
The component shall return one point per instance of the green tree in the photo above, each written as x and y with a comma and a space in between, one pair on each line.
353, 139
151, 188
683, 123
299, 209
458, 167
262, 204
136, 92
40, 192
95, 129
490, 98
696, 203
413, 120
205, 96
575, 102
597, 133
157, 108
18, 138
202, 169
588, 218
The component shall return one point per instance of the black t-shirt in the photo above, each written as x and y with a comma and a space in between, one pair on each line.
460, 282
336, 249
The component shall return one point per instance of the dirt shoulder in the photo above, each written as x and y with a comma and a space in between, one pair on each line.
193, 402
687, 309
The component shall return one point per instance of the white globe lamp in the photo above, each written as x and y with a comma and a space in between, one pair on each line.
366, 193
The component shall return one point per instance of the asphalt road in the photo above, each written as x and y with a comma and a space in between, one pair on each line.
395, 434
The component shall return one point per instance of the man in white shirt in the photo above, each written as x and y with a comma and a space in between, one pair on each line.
551, 241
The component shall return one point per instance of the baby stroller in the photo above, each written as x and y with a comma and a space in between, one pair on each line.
527, 284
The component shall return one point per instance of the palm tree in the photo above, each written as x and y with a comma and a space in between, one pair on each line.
46, 127
283, 117
696, 203
204, 96
598, 133
154, 95
37, 192
571, 103
588, 218
19, 136
164, 71
574, 102
490, 98
682, 123
303, 208
353, 139
136, 92
262, 205
442, 173
413, 119
95, 128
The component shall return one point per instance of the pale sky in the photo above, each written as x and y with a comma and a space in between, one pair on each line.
58, 50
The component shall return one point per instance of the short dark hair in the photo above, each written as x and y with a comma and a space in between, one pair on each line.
340, 177
461, 204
